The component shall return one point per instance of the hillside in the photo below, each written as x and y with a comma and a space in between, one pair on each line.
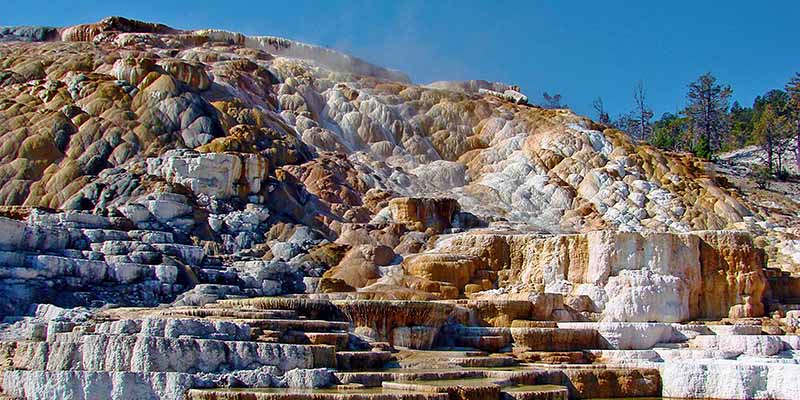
143, 165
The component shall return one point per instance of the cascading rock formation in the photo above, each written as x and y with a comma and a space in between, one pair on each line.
209, 215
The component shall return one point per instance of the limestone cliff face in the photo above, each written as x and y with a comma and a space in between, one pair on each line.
732, 273
630, 276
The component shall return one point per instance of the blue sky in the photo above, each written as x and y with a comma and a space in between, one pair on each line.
581, 49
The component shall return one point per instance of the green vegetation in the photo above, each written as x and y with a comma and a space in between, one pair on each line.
709, 124
669, 132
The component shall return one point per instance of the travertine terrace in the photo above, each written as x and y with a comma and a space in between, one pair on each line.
209, 215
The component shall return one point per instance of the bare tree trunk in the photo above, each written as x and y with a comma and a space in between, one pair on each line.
770, 153
708, 124
639, 97
797, 147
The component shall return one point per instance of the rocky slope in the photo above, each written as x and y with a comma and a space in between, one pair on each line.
142, 165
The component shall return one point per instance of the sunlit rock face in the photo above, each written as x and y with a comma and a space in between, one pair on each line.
732, 273
626, 276
157, 183
120, 90
221, 175
729, 380
422, 214
402, 323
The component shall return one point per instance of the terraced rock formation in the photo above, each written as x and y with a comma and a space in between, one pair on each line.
208, 215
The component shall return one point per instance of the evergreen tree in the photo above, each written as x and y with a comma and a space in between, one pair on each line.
708, 114
741, 126
777, 99
774, 136
743, 120
669, 132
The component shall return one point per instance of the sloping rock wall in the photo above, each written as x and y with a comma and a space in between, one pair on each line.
628, 276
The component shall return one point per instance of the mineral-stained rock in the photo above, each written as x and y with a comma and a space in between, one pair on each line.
456, 270
193, 74
724, 379
87, 32
628, 276
500, 312
42, 385
358, 268
554, 339
383, 317
133, 70
414, 337
152, 86
162, 327
510, 95
32, 33
146, 353
145, 166
421, 214
216, 174
627, 335
751, 345
586, 383
732, 274
308, 378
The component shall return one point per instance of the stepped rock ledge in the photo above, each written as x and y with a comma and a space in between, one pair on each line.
202, 214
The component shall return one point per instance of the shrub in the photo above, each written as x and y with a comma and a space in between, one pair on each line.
703, 149
761, 175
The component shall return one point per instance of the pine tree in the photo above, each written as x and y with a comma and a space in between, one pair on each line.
708, 114
669, 132
741, 125
774, 136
